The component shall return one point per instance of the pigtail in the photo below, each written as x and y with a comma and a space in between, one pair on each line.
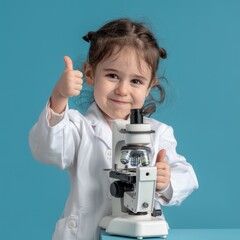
149, 109
162, 53
150, 104
88, 37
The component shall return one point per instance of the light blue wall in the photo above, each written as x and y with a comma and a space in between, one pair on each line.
203, 67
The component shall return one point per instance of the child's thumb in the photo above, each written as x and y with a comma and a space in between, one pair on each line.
68, 64
161, 156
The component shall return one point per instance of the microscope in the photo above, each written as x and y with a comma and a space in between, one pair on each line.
133, 182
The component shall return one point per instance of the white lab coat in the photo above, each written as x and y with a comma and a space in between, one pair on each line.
83, 144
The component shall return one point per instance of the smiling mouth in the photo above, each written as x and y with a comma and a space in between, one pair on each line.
118, 101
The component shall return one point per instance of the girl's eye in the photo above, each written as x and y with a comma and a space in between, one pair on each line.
136, 81
112, 75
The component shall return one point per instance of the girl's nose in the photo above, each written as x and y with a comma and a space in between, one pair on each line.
122, 88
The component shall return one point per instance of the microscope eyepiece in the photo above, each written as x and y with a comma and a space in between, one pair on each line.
136, 116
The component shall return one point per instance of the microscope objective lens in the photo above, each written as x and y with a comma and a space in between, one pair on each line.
134, 156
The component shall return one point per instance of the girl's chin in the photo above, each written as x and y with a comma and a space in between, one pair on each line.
111, 114
116, 115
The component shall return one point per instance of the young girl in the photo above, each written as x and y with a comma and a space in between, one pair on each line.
122, 64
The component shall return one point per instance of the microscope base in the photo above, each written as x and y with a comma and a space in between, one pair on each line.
135, 226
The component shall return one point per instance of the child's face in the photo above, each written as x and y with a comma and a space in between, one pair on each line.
121, 83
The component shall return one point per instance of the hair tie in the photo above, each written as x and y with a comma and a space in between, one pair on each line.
163, 53
88, 36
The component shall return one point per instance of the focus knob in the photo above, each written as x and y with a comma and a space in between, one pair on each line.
118, 188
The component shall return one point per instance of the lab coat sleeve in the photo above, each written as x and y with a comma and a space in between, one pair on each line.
183, 178
55, 145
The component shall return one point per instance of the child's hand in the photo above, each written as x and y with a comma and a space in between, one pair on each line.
163, 171
69, 85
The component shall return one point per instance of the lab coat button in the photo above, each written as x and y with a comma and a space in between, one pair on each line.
109, 153
72, 224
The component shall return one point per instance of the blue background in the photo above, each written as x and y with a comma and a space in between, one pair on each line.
203, 68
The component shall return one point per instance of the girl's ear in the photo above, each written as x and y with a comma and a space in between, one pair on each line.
88, 72
152, 84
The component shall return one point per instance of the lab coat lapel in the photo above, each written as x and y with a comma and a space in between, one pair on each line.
99, 125
104, 133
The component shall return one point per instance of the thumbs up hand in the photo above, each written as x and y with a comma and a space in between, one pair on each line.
69, 85
163, 171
